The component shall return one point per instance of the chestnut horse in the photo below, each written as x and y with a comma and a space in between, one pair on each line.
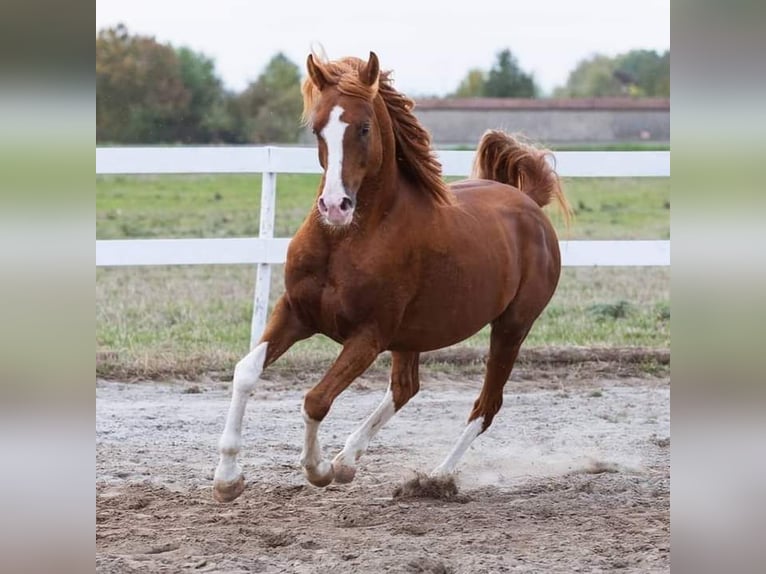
390, 258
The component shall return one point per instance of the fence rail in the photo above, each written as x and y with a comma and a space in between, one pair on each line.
236, 251
270, 161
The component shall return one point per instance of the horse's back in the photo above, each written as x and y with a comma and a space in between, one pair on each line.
489, 200
487, 192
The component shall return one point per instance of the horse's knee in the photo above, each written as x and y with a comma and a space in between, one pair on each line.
316, 405
249, 369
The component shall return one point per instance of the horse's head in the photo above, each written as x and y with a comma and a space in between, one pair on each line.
342, 117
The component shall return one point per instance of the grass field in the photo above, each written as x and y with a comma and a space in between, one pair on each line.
228, 206
189, 321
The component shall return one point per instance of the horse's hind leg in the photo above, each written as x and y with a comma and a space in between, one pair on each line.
508, 333
503, 350
404, 385
282, 331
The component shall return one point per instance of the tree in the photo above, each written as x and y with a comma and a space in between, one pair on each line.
147, 92
635, 73
472, 85
201, 121
592, 78
224, 121
650, 70
271, 106
140, 92
506, 79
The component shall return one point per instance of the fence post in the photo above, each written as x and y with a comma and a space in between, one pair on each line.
263, 280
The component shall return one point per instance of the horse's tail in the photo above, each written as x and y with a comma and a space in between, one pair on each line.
503, 158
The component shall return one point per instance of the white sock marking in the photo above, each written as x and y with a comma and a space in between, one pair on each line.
312, 452
311, 457
471, 431
246, 375
333, 191
358, 441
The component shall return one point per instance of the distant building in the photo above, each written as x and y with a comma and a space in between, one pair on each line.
460, 122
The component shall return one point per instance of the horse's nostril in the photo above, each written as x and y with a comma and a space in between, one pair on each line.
346, 204
322, 206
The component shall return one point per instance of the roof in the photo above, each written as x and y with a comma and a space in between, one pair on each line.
542, 104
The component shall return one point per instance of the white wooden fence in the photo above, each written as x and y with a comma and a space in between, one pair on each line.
269, 161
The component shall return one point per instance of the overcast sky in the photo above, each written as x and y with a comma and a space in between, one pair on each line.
430, 44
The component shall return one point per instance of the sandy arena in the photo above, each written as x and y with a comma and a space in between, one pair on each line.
573, 476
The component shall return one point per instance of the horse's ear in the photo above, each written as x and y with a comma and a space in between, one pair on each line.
369, 74
316, 73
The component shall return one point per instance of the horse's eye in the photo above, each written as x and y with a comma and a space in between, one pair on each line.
364, 129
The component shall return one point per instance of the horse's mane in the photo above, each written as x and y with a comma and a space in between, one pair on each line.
414, 155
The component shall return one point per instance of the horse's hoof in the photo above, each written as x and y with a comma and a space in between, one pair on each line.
226, 491
343, 473
322, 475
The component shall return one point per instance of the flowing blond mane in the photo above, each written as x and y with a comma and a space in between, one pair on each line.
414, 155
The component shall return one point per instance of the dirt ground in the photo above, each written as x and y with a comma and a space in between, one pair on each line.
573, 476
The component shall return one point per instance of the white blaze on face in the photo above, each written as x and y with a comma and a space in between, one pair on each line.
333, 192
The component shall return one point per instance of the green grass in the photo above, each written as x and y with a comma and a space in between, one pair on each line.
625, 208
195, 320
228, 206
196, 206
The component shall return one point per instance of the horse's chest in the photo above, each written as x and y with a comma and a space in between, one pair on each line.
331, 298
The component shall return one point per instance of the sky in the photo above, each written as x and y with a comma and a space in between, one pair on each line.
429, 44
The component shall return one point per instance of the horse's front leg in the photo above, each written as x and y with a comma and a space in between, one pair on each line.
357, 355
404, 385
282, 331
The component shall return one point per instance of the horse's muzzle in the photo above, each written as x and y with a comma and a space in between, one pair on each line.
336, 212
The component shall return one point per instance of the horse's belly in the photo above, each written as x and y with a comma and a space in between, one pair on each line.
460, 292
422, 340
434, 321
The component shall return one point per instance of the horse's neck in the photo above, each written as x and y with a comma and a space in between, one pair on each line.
377, 196
380, 191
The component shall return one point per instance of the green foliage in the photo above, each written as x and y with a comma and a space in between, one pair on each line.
206, 97
506, 79
147, 92
472, 85
140, 91
635, 73
591, 78
271, 106
650, 70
